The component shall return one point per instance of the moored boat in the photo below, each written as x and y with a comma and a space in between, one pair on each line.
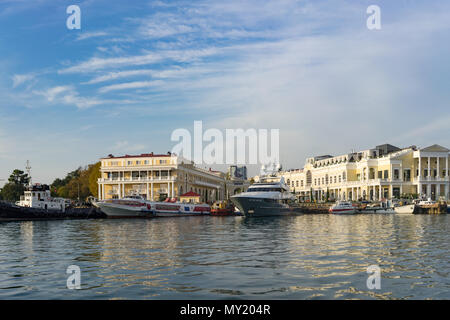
264, 199
128, 207
138, 207
406, 209
342, 207
222, 208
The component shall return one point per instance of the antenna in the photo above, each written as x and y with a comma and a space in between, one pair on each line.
28, 167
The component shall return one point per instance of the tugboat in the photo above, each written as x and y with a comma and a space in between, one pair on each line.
35, 204
222, 208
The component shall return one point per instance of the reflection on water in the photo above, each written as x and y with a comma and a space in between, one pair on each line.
304, 257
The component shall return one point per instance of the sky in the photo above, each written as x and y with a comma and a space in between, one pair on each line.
137, 70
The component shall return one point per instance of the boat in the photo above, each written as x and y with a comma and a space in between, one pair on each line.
129, 207
405, 209
135, 206
38, 196
382, 207
222, 208
342, 207
268, 197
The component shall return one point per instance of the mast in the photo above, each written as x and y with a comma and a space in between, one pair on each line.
28, 168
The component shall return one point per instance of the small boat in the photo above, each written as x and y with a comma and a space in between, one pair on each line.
383, 207
406, 209
222, 208
179, 209
342, 207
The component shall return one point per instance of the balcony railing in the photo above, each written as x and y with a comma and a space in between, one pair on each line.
138, 179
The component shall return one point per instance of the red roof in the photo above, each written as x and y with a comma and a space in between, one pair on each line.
143, 155
190, 194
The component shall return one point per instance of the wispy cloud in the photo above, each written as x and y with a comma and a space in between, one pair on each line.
19, 79
130, 85
88, 35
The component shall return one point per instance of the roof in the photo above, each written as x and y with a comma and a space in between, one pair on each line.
190, 194
143, 155
435, 148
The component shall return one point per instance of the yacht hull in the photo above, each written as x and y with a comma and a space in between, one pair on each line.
408, 209
259, 207
119, 211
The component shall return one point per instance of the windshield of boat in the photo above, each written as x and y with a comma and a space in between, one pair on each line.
254, 189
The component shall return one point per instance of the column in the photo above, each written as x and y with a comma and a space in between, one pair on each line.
99, 192
123, 189
447, 197
401, 189
168, 189
151, 186
420, 168
173, 185
119, 187
429, 168
437, 167
446, 166
103, 191
391, 191
428, 190
147, 190
380, 193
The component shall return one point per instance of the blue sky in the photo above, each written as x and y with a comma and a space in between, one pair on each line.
138, 70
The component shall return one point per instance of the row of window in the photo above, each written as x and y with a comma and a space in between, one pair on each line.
138, 162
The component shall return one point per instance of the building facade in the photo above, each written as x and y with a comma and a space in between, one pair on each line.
384, 172
156, 177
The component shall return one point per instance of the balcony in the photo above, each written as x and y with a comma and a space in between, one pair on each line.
138, 179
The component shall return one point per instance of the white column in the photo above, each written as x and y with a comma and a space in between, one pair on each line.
99, 191
168, 189
147, 190
429, 168
437, 168
380, 192
119, 187
173, 195
428, 190
446, 166
103, 191
151, 186
447, 197
420, 168
391, 191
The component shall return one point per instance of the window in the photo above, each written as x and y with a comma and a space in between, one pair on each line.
138, 162
339, 178
396, 174
129, 163
386, 174
380, 175
301, 183
296, 183
145, 161
343, 176
334, 179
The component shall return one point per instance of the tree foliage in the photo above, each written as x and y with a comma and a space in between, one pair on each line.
15, 187
78, 184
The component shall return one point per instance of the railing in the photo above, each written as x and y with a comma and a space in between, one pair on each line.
137, 179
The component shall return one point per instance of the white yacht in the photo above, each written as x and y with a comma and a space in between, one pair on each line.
135, 206
266, 199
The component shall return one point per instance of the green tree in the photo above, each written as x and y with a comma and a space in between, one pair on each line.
16, 186
94, 175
